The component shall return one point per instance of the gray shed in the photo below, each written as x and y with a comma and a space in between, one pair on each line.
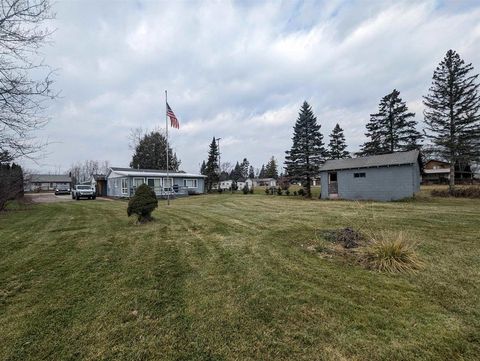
383, 177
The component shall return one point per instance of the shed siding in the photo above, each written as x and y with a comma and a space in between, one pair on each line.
382, 184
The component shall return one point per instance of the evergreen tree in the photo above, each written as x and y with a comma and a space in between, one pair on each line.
203, 168
271, 170
150, 153
307, 152
337, 146
251, 172
212, 168
452, 116
261, 174
236, 172
392, 129
245, 165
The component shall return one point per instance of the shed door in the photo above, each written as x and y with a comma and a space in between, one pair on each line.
332, 184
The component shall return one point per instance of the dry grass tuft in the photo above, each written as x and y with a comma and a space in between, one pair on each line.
390, 253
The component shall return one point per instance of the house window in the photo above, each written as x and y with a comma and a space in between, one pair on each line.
137, 182
155, 184
167, 184
192, 183
124, 185
359, 175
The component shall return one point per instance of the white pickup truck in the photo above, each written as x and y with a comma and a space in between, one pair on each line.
82, 190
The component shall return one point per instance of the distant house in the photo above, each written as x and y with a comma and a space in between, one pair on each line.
261, 182
46, 182
383, 177
227, 184
123, 182
436, 171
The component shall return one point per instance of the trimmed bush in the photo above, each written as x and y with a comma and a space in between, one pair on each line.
251, 190
460, 192
279, 191
287, 192
245, 189
301, 192
294, 193
267, 191
390, 254
143, 203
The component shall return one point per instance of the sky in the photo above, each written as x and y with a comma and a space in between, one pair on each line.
238, 71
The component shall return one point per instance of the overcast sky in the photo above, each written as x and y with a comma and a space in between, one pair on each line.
239, 71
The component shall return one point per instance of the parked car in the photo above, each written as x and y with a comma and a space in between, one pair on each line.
62, 189
85, 191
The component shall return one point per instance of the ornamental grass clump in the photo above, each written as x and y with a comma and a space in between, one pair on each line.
143, 203
390, 253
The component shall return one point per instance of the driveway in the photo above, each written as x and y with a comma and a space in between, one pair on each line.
48, 197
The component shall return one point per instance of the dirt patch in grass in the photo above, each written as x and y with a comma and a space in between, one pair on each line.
385, 252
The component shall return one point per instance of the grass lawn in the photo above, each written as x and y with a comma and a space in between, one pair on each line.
229, 277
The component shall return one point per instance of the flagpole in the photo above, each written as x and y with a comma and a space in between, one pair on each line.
166, 129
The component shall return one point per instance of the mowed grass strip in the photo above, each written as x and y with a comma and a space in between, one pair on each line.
229, 277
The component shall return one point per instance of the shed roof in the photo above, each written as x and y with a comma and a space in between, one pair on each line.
373, 161
47, 178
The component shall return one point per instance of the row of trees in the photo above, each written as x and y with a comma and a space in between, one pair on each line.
451, 116
216, 172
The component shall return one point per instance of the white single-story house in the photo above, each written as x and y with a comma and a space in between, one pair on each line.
123, 182
261, 182
227, 184
46, 182
383, 177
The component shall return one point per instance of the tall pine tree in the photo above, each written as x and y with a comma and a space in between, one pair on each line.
303, 160
150, 153
251, 172
452, 116
271, 170
261, 174
392, 129
337, 146
203, 168
212, 167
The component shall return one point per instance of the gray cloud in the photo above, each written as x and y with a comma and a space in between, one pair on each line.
239, 71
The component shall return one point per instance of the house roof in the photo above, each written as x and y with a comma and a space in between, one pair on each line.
152, 173
374, 161
99, 176
47, 178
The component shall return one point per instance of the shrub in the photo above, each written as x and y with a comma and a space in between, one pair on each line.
267, 191
143, 203
294, 193
390, 254
272, 190
220, 190
251, 190
301, 192
245, 189
287, 192
279, 191
460, 192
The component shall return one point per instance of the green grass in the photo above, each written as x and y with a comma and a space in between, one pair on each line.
230, 277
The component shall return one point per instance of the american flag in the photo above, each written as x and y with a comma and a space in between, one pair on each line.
173, 119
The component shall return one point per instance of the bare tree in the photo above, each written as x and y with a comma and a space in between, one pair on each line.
135, 136
82, 171
22, 95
